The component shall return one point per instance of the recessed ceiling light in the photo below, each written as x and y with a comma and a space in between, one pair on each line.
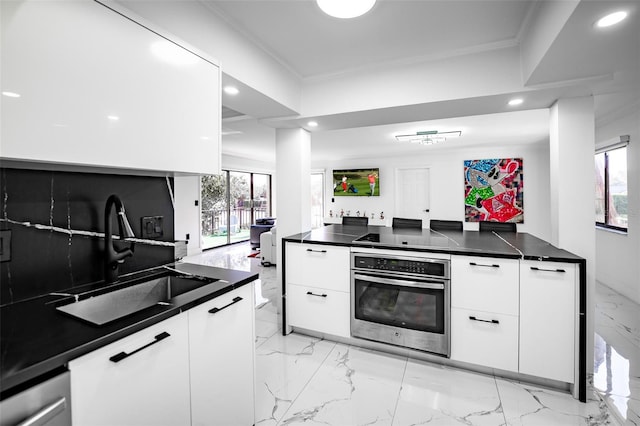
611, 19
231, 90
312, 124
11, 94
345, 9
515, 102
113, 117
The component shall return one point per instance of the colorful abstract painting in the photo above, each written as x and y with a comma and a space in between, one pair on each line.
493, 190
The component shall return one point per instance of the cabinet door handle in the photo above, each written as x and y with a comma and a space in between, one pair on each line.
233, 302
317, 295
122, 355
316, 251
480, 264
472, 318
535, 268
43, 416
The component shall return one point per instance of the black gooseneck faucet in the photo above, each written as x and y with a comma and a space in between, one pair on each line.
112, 256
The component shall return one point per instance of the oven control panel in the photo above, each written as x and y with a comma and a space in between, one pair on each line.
437, 268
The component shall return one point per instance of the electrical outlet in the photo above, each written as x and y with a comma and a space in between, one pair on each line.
152, 227
5, 245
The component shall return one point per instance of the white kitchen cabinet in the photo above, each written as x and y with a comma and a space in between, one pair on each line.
318, 265
485, 283
548, 307
142, 379
97, 89
318, 288
222, 347
484, 313
319, 309
487, 339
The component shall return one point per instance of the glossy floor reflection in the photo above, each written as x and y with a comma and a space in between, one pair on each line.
305, 380
616, 373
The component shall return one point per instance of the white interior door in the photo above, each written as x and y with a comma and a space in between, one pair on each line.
412, 194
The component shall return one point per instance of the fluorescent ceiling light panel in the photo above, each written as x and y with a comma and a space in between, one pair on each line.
345, 9
428, 137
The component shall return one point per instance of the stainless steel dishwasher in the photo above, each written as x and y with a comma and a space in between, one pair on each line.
46, 403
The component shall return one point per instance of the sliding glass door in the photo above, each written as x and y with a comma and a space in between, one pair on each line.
231, 203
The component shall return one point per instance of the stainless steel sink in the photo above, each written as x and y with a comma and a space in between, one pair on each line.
121, 302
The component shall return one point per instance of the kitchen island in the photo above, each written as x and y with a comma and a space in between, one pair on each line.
39, 342
531, 295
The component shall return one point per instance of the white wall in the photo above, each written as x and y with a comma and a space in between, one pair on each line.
447, 183
617, 254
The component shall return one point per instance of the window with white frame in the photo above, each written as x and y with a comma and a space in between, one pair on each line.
611, 186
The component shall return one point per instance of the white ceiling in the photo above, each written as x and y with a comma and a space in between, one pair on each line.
311, 43
395, 32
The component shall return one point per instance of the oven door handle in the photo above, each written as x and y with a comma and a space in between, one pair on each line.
406, 283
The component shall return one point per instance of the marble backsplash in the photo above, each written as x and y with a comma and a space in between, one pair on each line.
56, 225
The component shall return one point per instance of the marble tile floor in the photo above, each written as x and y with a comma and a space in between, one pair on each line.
305, 380
616, 373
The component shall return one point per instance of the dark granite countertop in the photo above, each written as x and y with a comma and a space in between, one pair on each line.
471, 243
36, 339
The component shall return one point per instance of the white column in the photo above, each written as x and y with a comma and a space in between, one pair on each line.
293, 184
572, 190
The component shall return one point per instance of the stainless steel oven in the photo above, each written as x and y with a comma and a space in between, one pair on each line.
401, 300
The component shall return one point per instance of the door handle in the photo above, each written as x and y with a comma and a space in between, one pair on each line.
122, 355
472, 318
216, 310
487, 266
317, 295
535, 268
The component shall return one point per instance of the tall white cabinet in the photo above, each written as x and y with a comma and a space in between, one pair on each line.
548, 315
222, 352
94, 88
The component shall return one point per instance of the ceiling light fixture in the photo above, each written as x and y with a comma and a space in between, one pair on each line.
515, 101
312, 124
428, 137
231, 90
611, 19
345, 9
11, 94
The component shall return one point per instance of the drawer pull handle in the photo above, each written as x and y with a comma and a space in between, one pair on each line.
216, 310
317, 295
472, 318
535, 268
480, 264
316, 251
122, 355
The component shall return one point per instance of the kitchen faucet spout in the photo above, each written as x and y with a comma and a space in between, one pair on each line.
114, 257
